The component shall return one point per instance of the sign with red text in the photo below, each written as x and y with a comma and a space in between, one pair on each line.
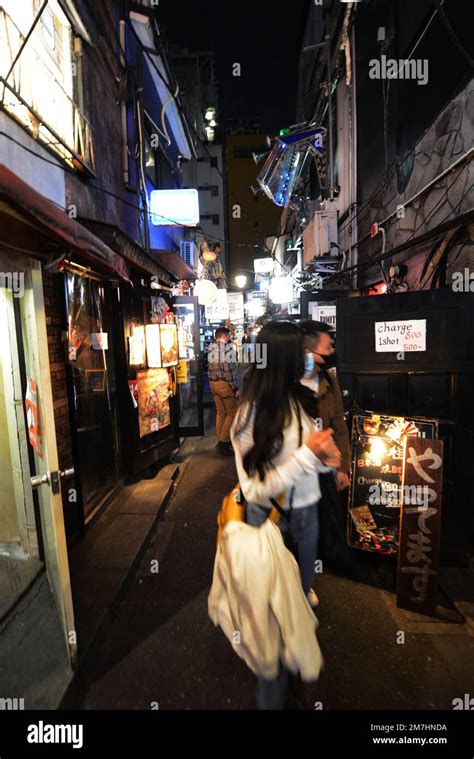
400, 336
420, 526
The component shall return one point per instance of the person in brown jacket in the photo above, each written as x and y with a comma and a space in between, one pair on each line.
320, 358
319, 343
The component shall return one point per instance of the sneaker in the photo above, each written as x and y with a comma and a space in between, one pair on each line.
225, 448
313, 599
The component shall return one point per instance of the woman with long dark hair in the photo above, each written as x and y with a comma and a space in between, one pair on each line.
279, 450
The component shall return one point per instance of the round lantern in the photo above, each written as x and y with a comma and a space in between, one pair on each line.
206, 292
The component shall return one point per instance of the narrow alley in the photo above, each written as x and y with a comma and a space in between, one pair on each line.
162, 651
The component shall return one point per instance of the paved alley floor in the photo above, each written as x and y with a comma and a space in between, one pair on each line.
162, 651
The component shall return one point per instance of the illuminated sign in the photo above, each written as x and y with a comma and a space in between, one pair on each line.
263, 265
281, 290
218, 310
174, 208
37, 86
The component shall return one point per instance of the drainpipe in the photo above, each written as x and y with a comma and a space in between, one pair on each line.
123, 108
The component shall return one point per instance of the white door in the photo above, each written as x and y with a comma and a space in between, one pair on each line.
24, 358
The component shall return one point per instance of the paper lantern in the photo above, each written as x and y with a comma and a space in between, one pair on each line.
206, 292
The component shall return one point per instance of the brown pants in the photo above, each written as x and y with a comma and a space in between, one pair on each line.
226, 407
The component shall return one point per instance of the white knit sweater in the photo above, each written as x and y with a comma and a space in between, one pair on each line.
295, 466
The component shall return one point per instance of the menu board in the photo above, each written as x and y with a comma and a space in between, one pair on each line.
378, 444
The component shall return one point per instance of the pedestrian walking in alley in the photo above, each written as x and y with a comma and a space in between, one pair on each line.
224, 383
279, 451
321, 357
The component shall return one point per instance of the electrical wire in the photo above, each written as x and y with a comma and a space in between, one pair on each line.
129, 69
453, 34
357, 268
204, 147
73, 173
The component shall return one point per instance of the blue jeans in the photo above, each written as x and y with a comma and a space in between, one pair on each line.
304, 523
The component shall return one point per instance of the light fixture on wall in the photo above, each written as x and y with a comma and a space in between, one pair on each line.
241, 281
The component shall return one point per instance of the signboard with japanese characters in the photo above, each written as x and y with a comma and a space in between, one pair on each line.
420, 531
400, 336
236, 307
219, 310
377, 478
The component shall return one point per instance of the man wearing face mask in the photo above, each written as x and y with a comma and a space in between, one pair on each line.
321, 356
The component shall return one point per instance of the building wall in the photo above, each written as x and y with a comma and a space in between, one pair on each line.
450, 136
101, 107
201, 174
39, 170
242, 175
393, 114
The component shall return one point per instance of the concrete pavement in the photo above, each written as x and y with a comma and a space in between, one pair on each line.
162, 651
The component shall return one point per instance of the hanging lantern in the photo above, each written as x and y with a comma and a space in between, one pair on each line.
207, 255
206, 292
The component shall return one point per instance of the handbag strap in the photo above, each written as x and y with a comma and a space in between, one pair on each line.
281, 511
273, 501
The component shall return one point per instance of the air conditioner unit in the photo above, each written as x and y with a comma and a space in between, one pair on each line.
321, 233
188, 252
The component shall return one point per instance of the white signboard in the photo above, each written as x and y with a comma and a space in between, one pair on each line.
404, 336
263, 265
174, 208
153, 345
218, 311
236, 307
325, 314
100, 341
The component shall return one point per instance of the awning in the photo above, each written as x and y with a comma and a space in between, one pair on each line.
56, 224
174, 264
154, 62
133, 253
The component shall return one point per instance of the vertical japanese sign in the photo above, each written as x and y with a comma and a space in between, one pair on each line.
420, 529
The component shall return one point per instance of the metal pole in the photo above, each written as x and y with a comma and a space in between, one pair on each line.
25, 41
330, 125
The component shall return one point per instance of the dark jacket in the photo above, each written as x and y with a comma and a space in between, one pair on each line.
331, 411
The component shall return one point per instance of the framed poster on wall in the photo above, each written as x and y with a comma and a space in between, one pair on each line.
153, 401
376, 490
169, 345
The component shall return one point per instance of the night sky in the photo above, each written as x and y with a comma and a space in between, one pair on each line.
264, 37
